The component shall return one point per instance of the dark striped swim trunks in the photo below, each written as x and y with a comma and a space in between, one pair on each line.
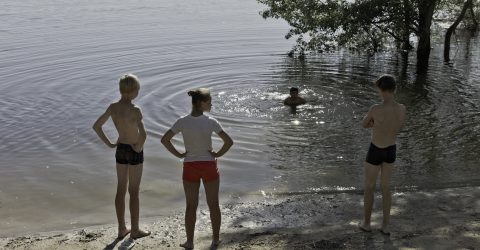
126, 155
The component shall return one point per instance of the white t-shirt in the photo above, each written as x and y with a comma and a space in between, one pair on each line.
197, 136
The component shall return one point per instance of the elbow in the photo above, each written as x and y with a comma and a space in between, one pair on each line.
367, 124
164, 140
95, 127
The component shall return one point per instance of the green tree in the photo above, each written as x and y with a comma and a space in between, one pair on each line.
364, 24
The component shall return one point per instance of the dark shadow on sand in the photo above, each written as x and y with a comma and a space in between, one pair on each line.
113, 244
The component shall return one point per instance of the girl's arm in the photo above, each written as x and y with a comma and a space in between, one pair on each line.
227, 143
97, 126
168, 144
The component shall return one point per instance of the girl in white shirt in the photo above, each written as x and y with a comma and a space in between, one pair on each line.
199, 161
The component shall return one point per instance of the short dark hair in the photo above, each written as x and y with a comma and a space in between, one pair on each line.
386, 83
293, 89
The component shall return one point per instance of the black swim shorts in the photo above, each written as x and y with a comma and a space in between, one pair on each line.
376, 155
126, 155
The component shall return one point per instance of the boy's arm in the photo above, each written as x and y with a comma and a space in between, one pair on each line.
287, 101
97, 126
302, 101
227, 143
368, 119
142, 134
166, 141
404, 115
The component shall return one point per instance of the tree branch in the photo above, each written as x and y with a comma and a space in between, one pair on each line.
389, 32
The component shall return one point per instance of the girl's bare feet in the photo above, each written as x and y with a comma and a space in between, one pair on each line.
187, 245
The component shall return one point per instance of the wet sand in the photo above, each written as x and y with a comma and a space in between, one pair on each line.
432, 219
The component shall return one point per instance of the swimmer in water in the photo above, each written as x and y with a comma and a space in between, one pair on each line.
294, 99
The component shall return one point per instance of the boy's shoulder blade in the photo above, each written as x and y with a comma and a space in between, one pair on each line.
375, 106
137, 108
113, 105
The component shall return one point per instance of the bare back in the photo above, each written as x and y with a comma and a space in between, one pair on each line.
388, 119
294, 101
126, 118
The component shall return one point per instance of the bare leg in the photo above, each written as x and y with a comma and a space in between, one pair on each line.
122, 182
371, 173
386, 172
191, 196
135, 176
211, 190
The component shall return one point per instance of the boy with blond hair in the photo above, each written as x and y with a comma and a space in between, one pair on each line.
127, 118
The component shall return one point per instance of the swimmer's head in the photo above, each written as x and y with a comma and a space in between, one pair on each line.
201, 99
386, 83
294, 91
129, 85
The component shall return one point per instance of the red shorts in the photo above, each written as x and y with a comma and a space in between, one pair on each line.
196, 170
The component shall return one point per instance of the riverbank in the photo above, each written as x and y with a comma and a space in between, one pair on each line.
435, 219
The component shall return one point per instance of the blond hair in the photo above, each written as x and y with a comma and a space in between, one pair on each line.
128, 83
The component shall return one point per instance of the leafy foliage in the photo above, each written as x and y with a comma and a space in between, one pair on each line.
368, 25
323, 24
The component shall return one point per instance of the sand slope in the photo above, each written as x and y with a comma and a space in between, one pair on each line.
435, 219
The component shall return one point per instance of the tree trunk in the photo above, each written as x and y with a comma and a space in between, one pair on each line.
407, 20
474, 18
425, 14
451, 29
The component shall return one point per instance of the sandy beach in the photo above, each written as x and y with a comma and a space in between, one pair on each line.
432, 219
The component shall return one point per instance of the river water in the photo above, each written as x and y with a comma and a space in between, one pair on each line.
60, 62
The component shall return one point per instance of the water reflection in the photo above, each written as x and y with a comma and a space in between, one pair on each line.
323, 145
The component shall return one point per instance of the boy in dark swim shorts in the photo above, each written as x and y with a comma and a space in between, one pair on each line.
386, 120
127, 119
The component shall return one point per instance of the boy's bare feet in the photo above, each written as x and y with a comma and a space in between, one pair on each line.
365, 228
187, 245
384, 230
139, 234
122, 232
